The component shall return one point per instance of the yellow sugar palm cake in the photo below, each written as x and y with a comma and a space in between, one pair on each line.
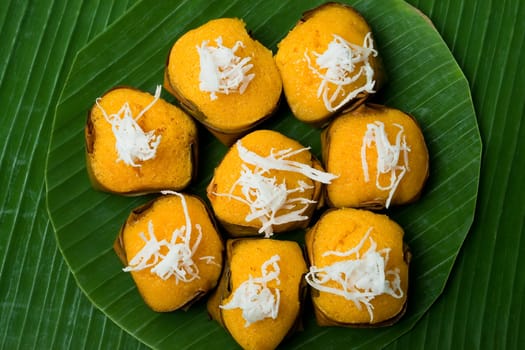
359, 269
138, 143
224, 78
266, 183
172, 249
328, 62
258, 300
380, 157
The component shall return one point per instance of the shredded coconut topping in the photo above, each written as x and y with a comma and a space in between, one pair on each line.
221, 71
360, 279
177, 261
131, 142
255, 298
343, 63
265, 196
388, 156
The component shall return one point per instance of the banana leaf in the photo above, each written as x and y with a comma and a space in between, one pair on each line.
424, 80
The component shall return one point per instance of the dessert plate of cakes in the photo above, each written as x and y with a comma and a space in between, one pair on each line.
284, 174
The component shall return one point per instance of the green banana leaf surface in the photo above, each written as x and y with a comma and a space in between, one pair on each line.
45, 68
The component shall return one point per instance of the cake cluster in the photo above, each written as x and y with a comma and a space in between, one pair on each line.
179, 248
